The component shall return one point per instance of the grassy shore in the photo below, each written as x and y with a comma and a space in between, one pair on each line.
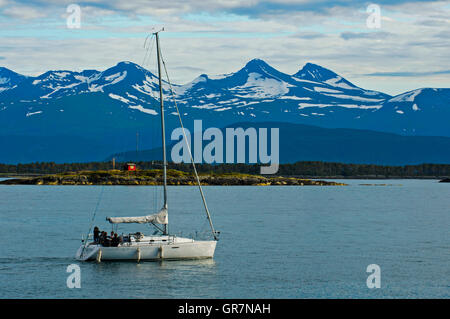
155, 177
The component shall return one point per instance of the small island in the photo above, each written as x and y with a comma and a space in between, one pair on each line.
155, 177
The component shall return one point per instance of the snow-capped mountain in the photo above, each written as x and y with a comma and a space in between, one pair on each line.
60, 84
423, 111
112, 105
259, 91
9, 79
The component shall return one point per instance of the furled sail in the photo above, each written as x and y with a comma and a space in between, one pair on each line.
159, 218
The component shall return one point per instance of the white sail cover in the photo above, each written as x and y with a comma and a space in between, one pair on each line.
159, 218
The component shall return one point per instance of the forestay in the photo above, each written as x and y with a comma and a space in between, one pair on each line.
159, 218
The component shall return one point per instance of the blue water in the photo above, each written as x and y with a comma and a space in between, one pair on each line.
276, 242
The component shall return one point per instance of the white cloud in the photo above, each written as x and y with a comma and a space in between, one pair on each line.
221, 36
22, 12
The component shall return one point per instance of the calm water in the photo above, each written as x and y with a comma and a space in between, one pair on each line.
276, 242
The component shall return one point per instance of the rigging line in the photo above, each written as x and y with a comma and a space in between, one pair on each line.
146, 38
145, 52
189, 150
149, 48
150, 93
93, 218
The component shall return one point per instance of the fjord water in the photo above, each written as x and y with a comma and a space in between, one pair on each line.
276, 242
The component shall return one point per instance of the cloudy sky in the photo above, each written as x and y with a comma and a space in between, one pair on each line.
410, 48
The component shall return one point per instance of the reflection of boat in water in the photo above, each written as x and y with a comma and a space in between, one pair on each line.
136, 246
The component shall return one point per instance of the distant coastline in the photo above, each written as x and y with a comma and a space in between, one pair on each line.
334, 177
300, 170
155, 177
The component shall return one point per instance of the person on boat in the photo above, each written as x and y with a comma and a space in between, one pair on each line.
96, 234
115, 241
107, 242
103, 238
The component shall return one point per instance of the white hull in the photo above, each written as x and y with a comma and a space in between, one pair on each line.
176, 249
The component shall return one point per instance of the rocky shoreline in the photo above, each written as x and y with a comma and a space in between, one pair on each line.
155, 177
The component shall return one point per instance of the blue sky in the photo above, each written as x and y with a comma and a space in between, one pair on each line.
409, 50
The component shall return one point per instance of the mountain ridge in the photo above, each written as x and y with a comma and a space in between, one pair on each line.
112, 105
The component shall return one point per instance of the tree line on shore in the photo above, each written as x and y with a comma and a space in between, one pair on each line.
310, 169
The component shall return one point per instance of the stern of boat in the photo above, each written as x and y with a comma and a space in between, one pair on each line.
85, 253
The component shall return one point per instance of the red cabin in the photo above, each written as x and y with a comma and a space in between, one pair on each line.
130, 167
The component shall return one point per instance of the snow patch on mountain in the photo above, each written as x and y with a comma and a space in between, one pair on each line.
180, 90
118, 97
354, 98
406, 97
322, 89
208, 106
306, 81
293, 97
258, 86
61, 74
132, 96
142, 109
223, 109
33, 113
58, 88
340, 83
220, 76
115, 78
306, 105
347, 106
4, 80
81, 78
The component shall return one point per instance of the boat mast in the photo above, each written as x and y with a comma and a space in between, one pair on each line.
214, 233
162, 124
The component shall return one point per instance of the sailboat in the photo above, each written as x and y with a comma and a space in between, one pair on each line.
164, 246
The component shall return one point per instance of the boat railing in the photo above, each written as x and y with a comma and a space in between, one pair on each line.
140, 239
88, 237
170, 239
